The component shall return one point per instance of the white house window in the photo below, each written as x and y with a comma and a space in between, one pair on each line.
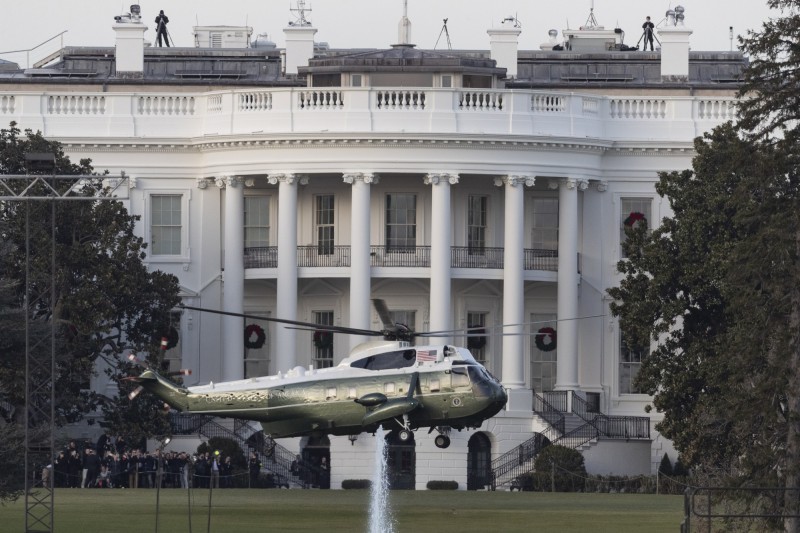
355, 80
477, 345
401, 222
324, 220
166, 224
323, 350
630, 362
633, 211
543, 361
173, 354
447, 80
544, 229
256, 359
476, 224
256, 221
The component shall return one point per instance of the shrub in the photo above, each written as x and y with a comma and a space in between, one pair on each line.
666, 466
227, 447
356, 484
568, 475
442, 485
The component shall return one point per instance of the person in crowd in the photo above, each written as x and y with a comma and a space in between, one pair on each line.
215, 467
147, 476
75, 469
226, 473
91, 466
103, 480
254, 468
182, 463
103, 443
201, 471
61, 469
324, 474
121, 446
133, 469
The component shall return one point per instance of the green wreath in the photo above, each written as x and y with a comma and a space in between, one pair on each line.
323, 339
258, 342
633, 218
540, 336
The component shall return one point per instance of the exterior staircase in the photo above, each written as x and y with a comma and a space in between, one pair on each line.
572, 422
275, 459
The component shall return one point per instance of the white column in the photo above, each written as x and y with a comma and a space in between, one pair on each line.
233, 279
513, 374
285, 339
440, 305
360, 270
567, 347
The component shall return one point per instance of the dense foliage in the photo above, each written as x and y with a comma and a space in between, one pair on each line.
101, 301
716, 287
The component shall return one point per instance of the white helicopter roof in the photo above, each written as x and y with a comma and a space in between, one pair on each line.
356, 364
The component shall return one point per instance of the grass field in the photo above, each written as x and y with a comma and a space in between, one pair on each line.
244, 511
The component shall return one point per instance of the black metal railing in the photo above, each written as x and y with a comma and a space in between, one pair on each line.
476, 257
519, 460
539, 259
552, 414
186, 424
261, 257
400, 256
611, 427
323, 256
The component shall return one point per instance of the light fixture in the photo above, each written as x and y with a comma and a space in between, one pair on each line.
352, 439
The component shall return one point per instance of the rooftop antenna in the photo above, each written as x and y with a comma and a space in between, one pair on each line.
404, 28
446, 34
591, 22
300, 14
730, 36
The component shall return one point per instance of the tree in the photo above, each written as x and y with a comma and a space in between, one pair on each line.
717, 286
104, 302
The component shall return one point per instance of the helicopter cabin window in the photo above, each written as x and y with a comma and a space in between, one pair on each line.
323, 340
330, 393
386, 361
459, 378
388, 388
435, 385
352, 393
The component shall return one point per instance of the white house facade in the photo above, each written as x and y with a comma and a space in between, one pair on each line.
484, 188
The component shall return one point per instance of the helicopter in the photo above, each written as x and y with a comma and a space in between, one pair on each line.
387, 383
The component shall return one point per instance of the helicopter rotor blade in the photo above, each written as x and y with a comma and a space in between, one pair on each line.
383, 313
339, 329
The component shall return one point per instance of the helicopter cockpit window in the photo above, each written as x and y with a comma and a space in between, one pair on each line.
386, 361
459, 377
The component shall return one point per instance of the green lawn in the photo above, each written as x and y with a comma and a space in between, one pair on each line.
244, 511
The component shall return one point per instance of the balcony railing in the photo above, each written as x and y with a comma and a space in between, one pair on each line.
410, 256
321, 255
400, 256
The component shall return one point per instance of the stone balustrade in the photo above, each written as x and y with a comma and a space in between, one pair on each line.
358, 111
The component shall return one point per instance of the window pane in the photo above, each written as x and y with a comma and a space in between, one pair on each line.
165, 225
476, 223
324, 214
544, 234
543, 363
630, 361
401, 222
323, 352
256, 221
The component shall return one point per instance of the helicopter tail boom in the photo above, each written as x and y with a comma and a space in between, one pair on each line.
175, 396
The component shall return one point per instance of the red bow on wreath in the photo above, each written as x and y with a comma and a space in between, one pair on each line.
633, 218
258, 342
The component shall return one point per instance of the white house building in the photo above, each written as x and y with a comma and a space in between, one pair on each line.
475, 188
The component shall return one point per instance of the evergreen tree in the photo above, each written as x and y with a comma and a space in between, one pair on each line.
103, 302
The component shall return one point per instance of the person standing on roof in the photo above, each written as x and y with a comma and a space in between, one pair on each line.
161, 28
648, 28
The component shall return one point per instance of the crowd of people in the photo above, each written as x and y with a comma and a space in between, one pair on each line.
112, 463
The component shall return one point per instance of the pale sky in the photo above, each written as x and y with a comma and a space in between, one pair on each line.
368, 23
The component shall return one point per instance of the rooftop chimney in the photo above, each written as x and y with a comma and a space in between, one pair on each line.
504, 43
404, 27
129, 53
299, 40
674, 39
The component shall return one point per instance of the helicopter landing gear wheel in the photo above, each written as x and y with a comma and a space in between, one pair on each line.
441, 441
404, 435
